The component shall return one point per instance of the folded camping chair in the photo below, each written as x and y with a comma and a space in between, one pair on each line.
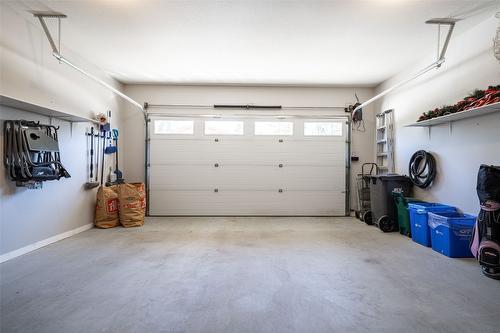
32, 152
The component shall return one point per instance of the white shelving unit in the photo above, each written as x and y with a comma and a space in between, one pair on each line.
491, 108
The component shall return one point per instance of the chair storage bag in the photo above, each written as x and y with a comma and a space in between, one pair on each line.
106, 208
132, 198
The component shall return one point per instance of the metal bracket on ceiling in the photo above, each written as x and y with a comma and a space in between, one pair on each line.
41, 15
56, 52
450, 22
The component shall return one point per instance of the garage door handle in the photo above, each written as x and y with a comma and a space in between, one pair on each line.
280, 165
216, 190
280, 140
280, 190
216, 140
216, 165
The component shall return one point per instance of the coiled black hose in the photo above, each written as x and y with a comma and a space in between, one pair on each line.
422, 169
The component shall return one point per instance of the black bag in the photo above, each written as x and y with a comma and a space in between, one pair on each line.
487, 227
485, 241
488, 183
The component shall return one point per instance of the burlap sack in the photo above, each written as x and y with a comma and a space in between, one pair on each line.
132, 198
106, 208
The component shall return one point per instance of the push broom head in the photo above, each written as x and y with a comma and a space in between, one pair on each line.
90, 185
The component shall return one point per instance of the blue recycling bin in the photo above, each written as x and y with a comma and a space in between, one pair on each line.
420, 232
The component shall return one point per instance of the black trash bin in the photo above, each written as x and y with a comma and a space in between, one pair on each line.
384, 211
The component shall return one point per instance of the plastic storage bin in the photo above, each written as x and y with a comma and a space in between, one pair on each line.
451, 233
403, 213
382, 203
420, 232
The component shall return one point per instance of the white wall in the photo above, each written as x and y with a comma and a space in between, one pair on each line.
470, 64
208, 95
29, 72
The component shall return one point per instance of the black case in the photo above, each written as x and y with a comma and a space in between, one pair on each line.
488, 183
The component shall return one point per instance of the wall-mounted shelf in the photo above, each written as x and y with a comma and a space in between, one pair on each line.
25, 106
491, 108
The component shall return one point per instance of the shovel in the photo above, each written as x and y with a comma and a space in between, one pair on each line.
91, 183
118, 173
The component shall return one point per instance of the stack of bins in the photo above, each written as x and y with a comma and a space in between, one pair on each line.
451, 233
382, 204
420, 232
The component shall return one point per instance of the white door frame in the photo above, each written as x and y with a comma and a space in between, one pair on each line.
278, 116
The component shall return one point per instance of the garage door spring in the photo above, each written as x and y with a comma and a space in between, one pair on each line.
422, 169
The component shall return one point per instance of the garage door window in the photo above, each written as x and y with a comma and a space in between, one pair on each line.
273, 128
323, 128
174, 127
223, 127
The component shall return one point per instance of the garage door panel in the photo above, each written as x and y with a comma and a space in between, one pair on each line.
243, 158
249, 145
243, 176
247, 203
268, 159
191, 152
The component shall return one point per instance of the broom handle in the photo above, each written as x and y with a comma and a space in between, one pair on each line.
102, 162
97, 157
115, 134
91, 153
116, 140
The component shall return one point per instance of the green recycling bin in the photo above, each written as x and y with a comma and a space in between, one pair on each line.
402, 211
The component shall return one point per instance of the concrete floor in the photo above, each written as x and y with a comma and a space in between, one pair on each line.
245, 275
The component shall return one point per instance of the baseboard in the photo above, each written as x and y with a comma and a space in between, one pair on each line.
35, 246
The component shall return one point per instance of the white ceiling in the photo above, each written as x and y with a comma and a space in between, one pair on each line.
338, 43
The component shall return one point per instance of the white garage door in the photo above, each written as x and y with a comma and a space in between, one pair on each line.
247, 166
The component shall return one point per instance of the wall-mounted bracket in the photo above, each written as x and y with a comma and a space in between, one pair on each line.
56, 52
450, 22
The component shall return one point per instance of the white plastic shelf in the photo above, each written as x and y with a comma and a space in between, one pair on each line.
491, 108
